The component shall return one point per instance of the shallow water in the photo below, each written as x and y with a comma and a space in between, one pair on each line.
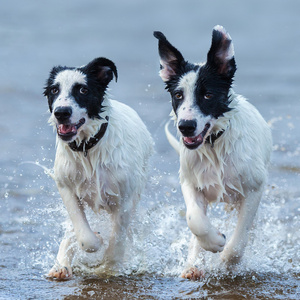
36, 36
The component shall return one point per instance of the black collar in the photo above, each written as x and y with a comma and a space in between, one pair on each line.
84, 146
213, 137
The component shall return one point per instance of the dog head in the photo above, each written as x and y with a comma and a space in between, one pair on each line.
75, 95
199, 91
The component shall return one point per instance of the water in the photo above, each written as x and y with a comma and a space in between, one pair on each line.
38, 35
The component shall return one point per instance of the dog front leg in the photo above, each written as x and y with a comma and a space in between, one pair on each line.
62, 268
191, 271
86, 238
205, 235
234, 250
209, 237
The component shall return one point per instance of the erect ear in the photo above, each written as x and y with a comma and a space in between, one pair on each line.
103, 69
170, 58
221, 53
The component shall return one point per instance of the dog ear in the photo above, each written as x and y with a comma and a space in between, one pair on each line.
170, 58
103, 69
221, 53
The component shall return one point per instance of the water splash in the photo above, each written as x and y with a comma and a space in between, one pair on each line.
160, 238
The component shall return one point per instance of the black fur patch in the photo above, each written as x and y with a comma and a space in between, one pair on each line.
50, 85
172, 84
208, 82
98, 74
214, 78
212, 83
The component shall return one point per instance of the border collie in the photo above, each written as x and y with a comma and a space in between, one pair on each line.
224, 146
101, 158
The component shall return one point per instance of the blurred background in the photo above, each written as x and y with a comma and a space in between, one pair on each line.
36, 35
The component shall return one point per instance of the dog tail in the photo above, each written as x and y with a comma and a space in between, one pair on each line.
47, 171
171, 138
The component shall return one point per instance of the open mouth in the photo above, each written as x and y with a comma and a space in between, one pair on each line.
195, 141
67, 131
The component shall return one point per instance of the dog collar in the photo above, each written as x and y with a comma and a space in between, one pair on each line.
84, 146
213, 137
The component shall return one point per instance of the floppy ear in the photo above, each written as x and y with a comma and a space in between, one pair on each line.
221, 53
170, 58
103, 69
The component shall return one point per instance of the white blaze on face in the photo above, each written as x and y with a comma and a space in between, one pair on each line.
189, 110
187, 84
66, 81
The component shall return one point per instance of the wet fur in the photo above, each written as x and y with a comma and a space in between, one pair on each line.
234, 167
108, 176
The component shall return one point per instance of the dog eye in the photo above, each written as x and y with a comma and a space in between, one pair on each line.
208, 96
178, 96
83, 90
54, 91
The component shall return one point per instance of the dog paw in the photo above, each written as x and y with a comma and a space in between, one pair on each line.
91, 243
193, 273
213, 243
60, 273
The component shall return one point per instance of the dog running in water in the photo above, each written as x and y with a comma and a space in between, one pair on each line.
101, 159
224, 145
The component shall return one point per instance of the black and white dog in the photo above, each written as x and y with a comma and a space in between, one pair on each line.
101, 158
224, 147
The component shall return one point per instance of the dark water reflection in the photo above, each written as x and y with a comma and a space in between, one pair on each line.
38, 35
251, 286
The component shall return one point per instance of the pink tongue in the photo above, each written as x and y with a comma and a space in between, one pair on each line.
64, 129
192, 140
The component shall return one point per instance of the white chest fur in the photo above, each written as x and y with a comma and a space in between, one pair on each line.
240, 155
115, 168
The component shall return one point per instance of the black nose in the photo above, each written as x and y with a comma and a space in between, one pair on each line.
187, 127
63, 113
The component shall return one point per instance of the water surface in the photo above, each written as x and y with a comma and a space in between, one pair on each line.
38, 35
